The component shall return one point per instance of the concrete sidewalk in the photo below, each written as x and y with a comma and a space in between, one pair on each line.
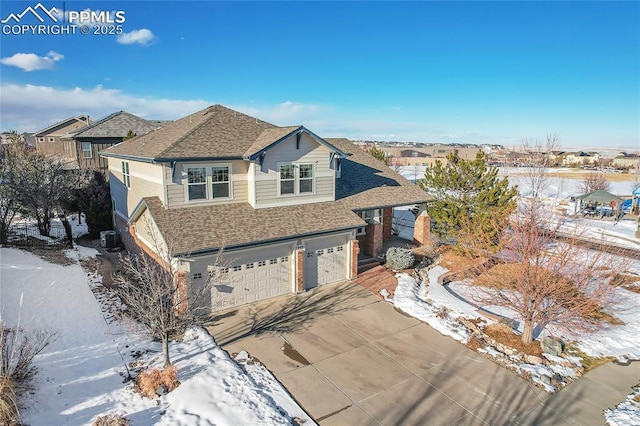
350, 358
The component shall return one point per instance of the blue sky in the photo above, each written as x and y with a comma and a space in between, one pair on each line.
468, 72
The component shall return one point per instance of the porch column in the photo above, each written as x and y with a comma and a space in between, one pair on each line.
299, 274
355, 251
422, 230
374, 241
387, 221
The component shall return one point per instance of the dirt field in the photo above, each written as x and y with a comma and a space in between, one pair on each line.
581, 174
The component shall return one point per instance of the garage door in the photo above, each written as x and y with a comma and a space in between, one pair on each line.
324, 265
252, 281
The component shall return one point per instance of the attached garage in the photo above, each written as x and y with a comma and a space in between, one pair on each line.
252, 276
325, 262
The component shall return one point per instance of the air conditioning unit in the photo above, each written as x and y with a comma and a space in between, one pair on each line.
108, 239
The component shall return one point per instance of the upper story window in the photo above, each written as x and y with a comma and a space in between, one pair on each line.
306, 178
296, 179
126, 177
52, 139
287, 179
40, 139
208, 183
197, 183
86, 150
220, 182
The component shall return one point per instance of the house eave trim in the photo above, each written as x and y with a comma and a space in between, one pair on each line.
263, 243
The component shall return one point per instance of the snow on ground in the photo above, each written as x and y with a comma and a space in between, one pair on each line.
627, 413
80, 375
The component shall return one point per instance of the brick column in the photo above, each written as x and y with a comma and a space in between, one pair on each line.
422, 230
299, 256
387, 221
355, 251
374, 241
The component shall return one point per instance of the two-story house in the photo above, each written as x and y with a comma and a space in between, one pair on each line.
288, 209
106, 132
55, 139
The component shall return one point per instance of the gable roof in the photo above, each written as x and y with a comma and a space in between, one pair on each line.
63, 123
238, 225
368, 183
117, 125
599, 196
215, 132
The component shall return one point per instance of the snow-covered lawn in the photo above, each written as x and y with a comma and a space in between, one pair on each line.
627, 413
81, 374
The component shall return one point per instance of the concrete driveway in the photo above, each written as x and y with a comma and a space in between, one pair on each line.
350, 358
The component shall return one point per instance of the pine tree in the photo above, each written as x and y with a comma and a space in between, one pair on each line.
379, 154
468, 195
94, 200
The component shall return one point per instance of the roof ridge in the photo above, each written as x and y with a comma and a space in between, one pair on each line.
204, 111
63, 121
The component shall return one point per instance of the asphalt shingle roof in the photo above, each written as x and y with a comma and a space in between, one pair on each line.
368, 183
117, 125
234, 225
214, 132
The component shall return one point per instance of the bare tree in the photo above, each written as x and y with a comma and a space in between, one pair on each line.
594, 181
9, 164
160, 295
538, 157
546, 281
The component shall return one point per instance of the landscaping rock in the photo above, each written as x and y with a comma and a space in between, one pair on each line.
532, 359
551, 346
162, 390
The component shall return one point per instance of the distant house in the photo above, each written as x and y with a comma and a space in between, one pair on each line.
104, 133
51, 140
289, 209
580, 158
626, 160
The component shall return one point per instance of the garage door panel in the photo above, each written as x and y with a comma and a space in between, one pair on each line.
249, 282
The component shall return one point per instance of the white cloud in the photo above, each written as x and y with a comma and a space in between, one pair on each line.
285, 113
33, 62
29, 108
143, 36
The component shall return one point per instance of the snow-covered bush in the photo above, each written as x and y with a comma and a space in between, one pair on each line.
399, 258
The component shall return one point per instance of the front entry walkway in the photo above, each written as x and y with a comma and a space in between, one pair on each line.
350, 358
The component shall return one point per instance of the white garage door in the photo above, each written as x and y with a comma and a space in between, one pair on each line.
324, 265
252, 281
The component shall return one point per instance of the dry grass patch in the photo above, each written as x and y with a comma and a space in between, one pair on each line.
504, 334
8, 402
111, 420
454, 261
626, 281
55, 256
588, 362
149, 380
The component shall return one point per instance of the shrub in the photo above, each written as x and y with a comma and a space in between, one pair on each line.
151, 379
111, 420
8, 402
399, 258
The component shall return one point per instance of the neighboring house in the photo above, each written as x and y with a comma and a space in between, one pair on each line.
289, 209
626, 161
580, 158
54, 140
104, 133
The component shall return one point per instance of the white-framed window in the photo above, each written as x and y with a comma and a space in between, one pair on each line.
295, 179
262, 263
220, 184
86, 150
41, 139
368, 216
237, 268
126, 177
206, 182
52, 139
197, 183
287, 179
305, 177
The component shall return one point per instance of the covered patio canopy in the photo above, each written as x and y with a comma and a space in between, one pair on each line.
599, 196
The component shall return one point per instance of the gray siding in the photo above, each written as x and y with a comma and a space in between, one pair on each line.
176, 191
309, 152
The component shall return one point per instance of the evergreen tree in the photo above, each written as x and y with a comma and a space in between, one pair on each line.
379, 154
94, 200
468, 194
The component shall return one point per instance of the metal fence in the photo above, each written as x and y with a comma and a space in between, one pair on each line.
28, 235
